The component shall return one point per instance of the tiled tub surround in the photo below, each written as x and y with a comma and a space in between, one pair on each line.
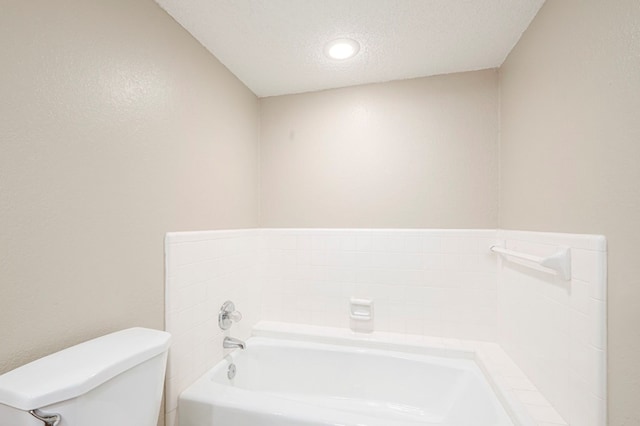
432, 282
438, 283
555, 330
203, 270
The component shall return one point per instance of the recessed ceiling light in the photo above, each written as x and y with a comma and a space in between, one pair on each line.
342, 48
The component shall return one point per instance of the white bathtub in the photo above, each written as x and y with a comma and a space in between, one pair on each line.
282, 382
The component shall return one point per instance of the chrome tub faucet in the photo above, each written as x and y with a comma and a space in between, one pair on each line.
232, 343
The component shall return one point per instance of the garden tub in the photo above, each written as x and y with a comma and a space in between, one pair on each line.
286, 380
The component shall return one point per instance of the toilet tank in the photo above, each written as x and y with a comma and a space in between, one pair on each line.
115, 379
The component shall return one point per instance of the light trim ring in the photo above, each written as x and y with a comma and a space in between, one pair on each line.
341, 49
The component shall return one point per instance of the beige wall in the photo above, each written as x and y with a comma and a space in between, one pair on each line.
405, 154
116, 127
570, 154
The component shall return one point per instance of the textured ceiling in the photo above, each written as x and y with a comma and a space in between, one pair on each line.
276, 46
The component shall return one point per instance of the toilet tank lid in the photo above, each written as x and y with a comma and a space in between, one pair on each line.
78, 369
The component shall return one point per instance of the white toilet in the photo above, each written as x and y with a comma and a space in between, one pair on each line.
114, 380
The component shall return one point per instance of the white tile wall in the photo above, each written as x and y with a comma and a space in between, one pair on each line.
556, 330
443, 283
203, 270
433, 282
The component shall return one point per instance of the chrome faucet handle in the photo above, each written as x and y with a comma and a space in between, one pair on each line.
228, 315
234, 316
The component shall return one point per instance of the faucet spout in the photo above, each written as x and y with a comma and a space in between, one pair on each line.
232, 343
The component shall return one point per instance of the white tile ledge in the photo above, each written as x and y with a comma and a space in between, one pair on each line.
508, 381
197, 236
592, 242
